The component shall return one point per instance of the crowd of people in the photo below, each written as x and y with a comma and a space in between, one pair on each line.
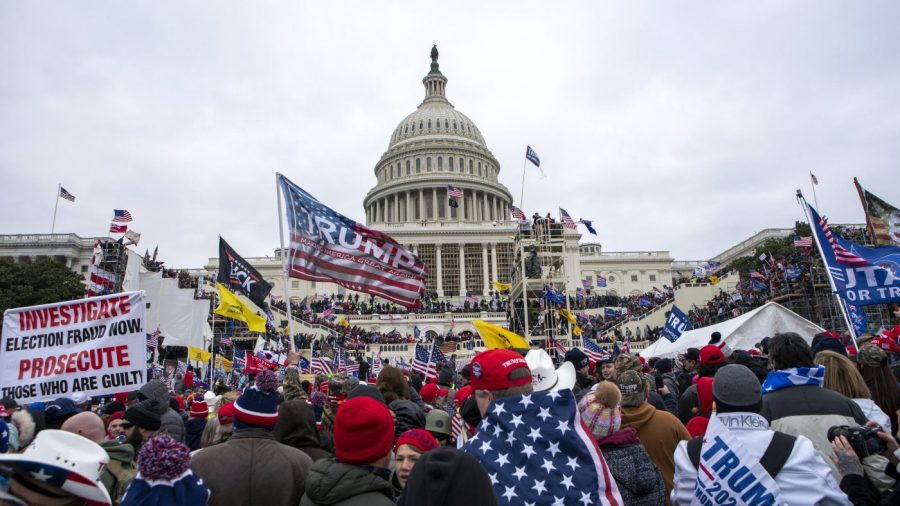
787, 422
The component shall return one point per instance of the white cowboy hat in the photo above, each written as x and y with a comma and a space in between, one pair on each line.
544, 377
64, 460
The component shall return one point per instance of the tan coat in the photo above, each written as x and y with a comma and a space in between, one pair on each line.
659, 432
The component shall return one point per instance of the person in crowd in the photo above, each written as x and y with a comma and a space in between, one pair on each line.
57, 468
757, 453
873, 365
410, 446
120, 471
219, 428
659, 430
171, 420
447, 477
697, 425
607, 367
545, 377
58, 411
660, 398
358, 474
638, 478
439, 423
501, 373
663, 369
582, 364
854, 482
114, 427
794, 400
711, 359
689, 362
842, 376
393, 384
197, 416
252, 467
142, 421
20, 423
434, 396
165, 476
4, 432
296, 426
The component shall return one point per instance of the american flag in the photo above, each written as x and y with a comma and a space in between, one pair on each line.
567, 220
66, 195
802, 242
841, 254
517, 213
117, 229
586, 283
626, 344
153, 339
552, 343
319, 364
814, 179
376, 364
536, 450
532, 157
454, 192
426, 364
594, 352
121, 215
225, 341
448, 347
326, 246
327, 313
757, 275
456, 425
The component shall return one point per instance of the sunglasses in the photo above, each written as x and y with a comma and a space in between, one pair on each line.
127, 425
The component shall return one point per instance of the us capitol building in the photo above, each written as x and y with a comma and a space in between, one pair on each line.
465, 247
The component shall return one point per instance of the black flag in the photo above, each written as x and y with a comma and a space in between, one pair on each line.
240, 276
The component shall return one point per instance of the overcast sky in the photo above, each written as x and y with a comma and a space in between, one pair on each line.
679, 126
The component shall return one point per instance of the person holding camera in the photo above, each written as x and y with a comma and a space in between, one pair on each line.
847, 452
741, 460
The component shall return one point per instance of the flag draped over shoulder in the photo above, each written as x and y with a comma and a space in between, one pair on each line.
231, 307
240, 276
327, 246
536, 450
495, 336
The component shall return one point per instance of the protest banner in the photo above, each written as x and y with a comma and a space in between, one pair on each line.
94, 346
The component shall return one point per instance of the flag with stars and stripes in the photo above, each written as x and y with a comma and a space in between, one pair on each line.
802, 242
66, 195
626, 344
454, 192
319, 364
327, 246
841, 254
517, 213
593, 350
536, 450
567, 220
153, 339
121, 215
426, 364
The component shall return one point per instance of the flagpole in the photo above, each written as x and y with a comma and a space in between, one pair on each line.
284, 272
865, 207
834, 292
56, 206
522, 193
813, 184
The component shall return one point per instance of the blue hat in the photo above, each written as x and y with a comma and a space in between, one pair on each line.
59, 411
258, 406
577, 357
165, 476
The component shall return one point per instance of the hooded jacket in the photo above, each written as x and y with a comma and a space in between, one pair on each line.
193, 430
448, 477
118, 474
171, 420
297, 427
874, 414
660, 431
331, 483
408, 416
639, 481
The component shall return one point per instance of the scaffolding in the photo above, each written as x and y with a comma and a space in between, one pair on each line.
108, 267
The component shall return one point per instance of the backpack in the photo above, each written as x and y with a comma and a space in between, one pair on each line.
772, 460
122, 476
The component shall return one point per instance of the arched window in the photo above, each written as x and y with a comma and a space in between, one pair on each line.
429, 123
440, 163
471, 169
450, 161
446, 124
479, 168
418, 165
420, 124
428, 164
454, 125
407, 167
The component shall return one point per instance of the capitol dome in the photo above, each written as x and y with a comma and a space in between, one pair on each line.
431, 149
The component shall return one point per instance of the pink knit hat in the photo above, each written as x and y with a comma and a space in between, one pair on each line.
601, 410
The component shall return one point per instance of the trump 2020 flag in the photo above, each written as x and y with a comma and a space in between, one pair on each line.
536, 450
677, 323
327, 246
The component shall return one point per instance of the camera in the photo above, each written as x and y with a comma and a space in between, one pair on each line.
863, 439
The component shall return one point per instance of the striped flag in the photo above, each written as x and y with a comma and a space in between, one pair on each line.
456, 424
319, 364
626, 344
517, 213
66, 195
448, 347
841, 254
454, 192
814, 179
802, 242
594, 352
326, 246
153, 339
117, 229
121, 215
567, 220
239, 360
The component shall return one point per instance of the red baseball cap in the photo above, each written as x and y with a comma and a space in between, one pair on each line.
490, 370
754, 353
431, 391
885, 344
462, 394
711, 354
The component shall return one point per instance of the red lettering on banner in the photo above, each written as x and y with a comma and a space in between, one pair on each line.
76, 312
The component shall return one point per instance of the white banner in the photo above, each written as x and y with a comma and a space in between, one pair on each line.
94, 346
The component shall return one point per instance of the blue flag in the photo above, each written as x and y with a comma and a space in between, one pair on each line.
601, 281
644, 303
304, 364
588, 225
610, 312
677, 323
532, 156
861, 275
554, 296
793, 273
758, 286
858, 318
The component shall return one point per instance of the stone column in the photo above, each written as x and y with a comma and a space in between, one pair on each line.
421, 204
440, 270
434, 203
484, 268
409, 208
395, 216
494, 262
487, 209
462, 270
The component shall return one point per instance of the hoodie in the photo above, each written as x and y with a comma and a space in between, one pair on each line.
639, 481
408, 416
171, 420
331, 483
297, 427
121, 470
660, 432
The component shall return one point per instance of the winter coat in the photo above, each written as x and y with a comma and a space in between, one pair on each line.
117, 475
804, 478
636, 475
252, 468
408, 416
809, 410
689, 400
874, 414
297, 427
171, 420
193, 430
25, 424
660, 432
331, 483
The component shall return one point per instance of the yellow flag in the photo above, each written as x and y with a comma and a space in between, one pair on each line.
501, 287
343, 321
224, 362
198, 355
231, 307
498, 337
577, 331
567, 315
714, 280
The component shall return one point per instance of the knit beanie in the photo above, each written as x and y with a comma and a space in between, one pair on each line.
447, 477
257, 407
601, 410
736, 388
363, 431
145, 414
420, 439
199, 408
165, 476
